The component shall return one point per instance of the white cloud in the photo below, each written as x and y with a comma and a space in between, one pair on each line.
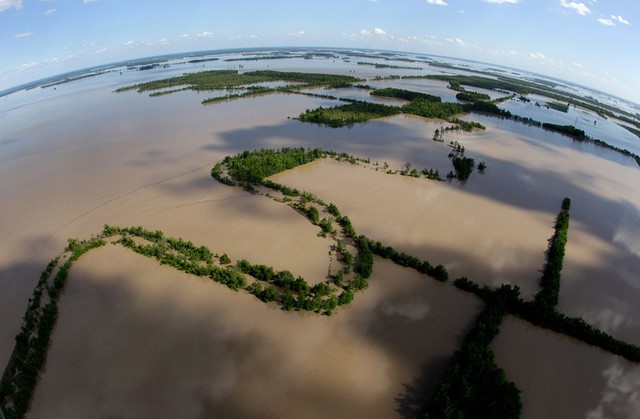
23, 34
578, 65
620, 19
606, 22
26, 66
379, 32
438, 2
297, 34
205, 34
129, 43
49, 12
503, 1
163, 41
8, 4
456, 41
620, 397
580, 8
411, 310
89, 1
427, 40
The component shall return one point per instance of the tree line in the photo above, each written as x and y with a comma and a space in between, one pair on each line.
473, 386
291, 294
32, 343
549, 292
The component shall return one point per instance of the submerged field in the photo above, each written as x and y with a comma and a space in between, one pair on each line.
137, 339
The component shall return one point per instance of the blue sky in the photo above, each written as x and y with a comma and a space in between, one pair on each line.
590, 42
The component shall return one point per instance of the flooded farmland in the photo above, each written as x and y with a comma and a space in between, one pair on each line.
137, 339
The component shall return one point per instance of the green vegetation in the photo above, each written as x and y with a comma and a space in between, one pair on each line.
378, 65
404, 94
421, 104
348, 114
542, 312
547, 297
464, 125
473, 386
481, 82
562, 107
486, 108
181, 255
32, 342
227, 79
539, 87
429, 109
249, 91
357, 112
568, 130
438, 273
254, 166
469, 96
579, 135
634, 131
364, 259
553, 320
462, 165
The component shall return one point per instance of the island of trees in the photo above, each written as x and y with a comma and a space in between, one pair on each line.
238, 85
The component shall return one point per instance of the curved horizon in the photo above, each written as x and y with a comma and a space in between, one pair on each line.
587, 42
166, 57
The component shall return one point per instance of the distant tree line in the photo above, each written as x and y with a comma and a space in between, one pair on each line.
404, 94
225, 79
469, 96
562, 107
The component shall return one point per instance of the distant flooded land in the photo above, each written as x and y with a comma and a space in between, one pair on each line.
338, 233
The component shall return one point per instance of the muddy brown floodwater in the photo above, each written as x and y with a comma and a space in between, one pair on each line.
135, 339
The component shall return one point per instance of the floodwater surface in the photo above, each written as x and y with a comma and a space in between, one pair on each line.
137, 339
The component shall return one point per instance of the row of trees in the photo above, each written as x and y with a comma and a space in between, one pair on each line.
549, 292
553, 320
473, 386
27, 360
225, 79
438, 272
542, 310
184, 256
404, 94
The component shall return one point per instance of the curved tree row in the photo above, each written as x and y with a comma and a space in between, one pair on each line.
293, 293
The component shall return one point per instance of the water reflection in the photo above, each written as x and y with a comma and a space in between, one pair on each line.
621, 396
591, 123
